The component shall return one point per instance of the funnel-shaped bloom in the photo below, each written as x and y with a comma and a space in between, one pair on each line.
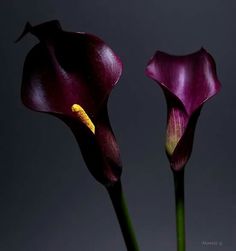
70, 75
188, 82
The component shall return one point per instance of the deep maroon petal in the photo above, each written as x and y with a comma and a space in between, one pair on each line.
68, 69
191, 78
79, 65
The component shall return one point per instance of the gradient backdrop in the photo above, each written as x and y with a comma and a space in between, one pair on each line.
48, 199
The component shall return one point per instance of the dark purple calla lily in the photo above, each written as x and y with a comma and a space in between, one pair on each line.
70, 75
188, 82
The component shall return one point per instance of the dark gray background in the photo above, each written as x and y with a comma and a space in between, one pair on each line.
49, 200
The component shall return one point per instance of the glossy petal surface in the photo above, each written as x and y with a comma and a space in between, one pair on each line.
191, 78
67, 68
188, 82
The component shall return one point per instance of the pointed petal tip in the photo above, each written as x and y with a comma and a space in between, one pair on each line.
202, 49
27, 29
148, 69
150, 62
37, 30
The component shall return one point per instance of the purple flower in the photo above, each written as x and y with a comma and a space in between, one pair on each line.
70, 75
188, 82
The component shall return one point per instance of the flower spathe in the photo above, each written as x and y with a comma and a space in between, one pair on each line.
188, 82
70, 75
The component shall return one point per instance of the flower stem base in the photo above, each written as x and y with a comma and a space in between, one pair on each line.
119, 204
179, 206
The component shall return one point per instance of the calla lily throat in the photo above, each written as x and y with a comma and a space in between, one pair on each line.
175, 129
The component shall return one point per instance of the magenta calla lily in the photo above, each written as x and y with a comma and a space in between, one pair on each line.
188, 82
70, 75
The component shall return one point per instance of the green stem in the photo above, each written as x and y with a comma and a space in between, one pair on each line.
119, 204
179, 206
